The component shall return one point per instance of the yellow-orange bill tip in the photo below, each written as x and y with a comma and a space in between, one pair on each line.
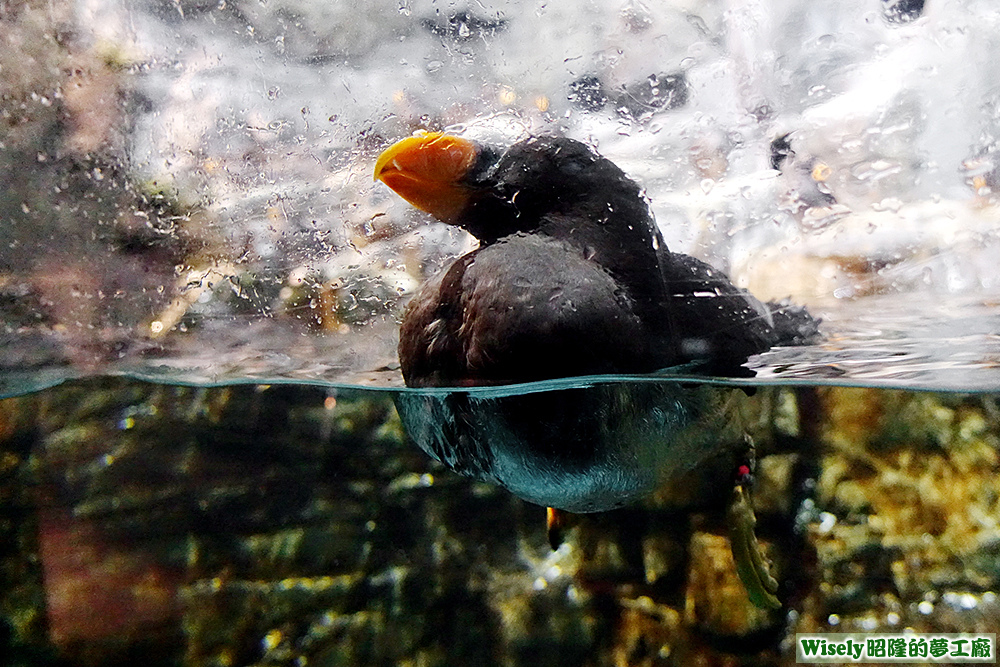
428, 170
433, 156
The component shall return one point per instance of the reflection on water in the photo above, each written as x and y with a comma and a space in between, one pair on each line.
915, 341
264, 525
936, 342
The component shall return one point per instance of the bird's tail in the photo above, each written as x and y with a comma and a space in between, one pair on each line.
793, 325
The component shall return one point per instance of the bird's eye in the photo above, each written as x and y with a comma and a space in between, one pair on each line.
481, 171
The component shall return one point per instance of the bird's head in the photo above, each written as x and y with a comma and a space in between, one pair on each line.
492, 192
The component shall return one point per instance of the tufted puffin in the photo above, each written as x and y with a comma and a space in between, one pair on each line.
571, 276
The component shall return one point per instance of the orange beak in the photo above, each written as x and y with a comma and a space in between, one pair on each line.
427, 170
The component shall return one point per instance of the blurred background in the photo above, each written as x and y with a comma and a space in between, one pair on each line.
187, 192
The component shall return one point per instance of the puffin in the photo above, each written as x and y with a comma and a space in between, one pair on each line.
571, 277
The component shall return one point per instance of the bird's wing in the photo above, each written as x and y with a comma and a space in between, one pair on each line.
430, 352
525, 308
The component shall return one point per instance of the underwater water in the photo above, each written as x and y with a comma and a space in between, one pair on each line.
276, 524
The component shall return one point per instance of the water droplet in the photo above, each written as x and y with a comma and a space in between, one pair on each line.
891, 204
699, 24
875, 170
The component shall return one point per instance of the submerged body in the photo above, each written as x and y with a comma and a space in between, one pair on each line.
582, 449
